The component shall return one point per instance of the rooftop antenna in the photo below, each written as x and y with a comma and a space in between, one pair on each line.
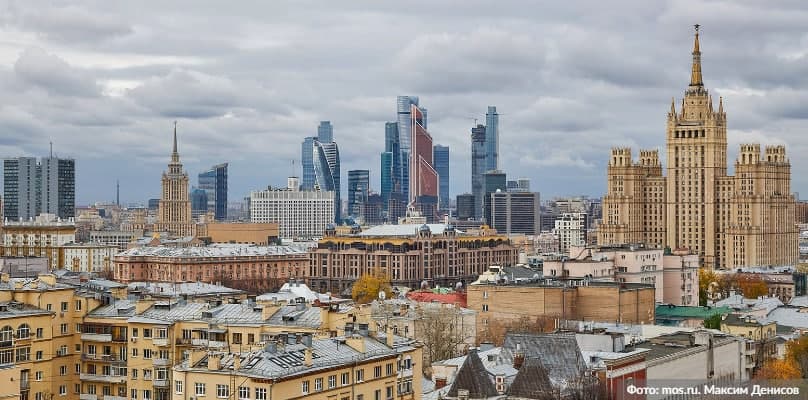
118, 192
51, 149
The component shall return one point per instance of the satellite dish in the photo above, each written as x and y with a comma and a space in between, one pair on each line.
382, 295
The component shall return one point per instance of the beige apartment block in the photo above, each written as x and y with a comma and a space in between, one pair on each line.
731, 221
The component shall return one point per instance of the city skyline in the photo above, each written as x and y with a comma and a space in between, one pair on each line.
575, 86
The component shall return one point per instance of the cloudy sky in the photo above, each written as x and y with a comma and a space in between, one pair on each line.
104, 82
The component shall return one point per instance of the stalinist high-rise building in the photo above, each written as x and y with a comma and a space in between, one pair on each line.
174, 213
731, 221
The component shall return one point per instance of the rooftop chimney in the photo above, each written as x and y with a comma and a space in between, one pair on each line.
518, 357
440, 382
307, 356
214, 362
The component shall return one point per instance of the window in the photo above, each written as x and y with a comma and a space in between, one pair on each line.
78, 305
134, 373
318, 385
64, 306
146, 332
346, 379
23, 332
161, 373
389, 393
146, 394
134, 332
222, 391
243, 393
40, 333
199, 388
147, 353
236, 338
305, 387
62, 370
260, 394
134, 351
23, 354
485, 307
62, 390
91, 349
178, 387
377, 371
389, 369
77, 388
133, 394
250, 338
360, 375
49, 307
377, 394
6, 334
63, 329
78, 369
332, 381
147, 374
38, 375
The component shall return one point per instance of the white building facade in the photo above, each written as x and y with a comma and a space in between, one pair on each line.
299, 214
571, 230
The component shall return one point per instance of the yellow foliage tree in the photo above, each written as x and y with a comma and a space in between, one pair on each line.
368, 286
797, 352
779, 370
752, 286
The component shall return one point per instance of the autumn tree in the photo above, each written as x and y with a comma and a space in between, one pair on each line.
752, 286
367, 287
706, 277
444, 331
779, 370
797, 351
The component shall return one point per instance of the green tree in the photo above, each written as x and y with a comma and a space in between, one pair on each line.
713, 322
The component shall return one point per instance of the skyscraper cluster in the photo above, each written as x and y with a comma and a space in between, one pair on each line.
321, 164
31, 188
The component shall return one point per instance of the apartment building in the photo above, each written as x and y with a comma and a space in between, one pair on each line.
44, 236
355, 366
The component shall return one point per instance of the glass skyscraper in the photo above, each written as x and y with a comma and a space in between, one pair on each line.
440, 157
404, 109
214, 183
327, 172
491, 139
358, 186
325, 132
307, 161
478, 165
199, 202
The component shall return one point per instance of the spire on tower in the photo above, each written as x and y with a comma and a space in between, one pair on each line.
720, 105
175, 155
673, 106
695, 73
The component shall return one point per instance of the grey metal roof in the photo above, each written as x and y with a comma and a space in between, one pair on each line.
532, 381
402, 230
13, 309
118, 308
799, 301
474, 377
559, 353
788, 316
184, 288
216, 250
287, 360
309, 317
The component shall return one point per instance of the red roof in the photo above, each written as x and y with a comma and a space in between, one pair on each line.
429, 297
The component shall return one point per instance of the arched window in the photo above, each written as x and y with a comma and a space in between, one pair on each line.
6, 333
24, 331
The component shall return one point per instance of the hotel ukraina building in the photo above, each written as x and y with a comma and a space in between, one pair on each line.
743, 220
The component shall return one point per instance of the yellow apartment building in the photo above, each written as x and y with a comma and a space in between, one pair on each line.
353, 367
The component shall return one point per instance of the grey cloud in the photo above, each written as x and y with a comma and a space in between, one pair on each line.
73, 24
50, 73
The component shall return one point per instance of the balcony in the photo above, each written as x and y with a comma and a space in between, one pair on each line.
161, 362
97, 337
160, 342
183, 341
103, 378
25, 385
208, 343
160, 383
103, 358
107, 397
85, 396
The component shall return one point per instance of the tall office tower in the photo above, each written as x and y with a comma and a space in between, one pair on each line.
465, 206
327, 172
440, 154
523, 184
214, 183
730, 221
174, 211
325, 132
514, 213
199, 202
423, 176
491, 139
404, 108
307, 161
358, 186
373, 211
492, 182
20, 188
478, 169
391, 162
32, 188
